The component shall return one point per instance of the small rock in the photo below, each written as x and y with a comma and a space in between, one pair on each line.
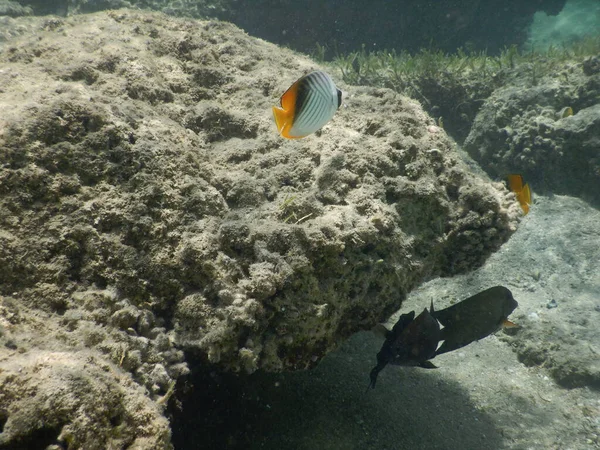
125, 318
552, 304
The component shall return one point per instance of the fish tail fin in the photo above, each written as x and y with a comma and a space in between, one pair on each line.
281, 118
526, 195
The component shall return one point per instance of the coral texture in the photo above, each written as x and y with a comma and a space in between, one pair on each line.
527, 128
147, 206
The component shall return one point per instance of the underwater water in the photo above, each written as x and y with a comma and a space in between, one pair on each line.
273, 224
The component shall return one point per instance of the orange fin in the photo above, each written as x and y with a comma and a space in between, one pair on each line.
508, 324
282, 118
526, 194
515, 183
288, 99
521, 190
284, 114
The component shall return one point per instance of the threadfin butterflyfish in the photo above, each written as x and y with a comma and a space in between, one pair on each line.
307, 105
521, 190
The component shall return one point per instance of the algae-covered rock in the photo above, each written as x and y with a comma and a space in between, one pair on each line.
546, 129
75, 399
148, 205
144, 159
13, 9
56, 391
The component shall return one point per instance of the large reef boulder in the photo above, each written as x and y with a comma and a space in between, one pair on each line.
147, 206
546, 127
77, 400
13, 9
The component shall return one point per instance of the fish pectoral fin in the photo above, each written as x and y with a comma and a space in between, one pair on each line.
508, 324
427, 365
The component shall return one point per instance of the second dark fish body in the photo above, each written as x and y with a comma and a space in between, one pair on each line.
474, 318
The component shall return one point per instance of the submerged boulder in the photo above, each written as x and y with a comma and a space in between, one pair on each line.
546, 127
77, 399
148, 205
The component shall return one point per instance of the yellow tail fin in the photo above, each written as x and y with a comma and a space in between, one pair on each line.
281, 118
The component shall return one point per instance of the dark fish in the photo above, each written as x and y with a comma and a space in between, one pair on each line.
475, 318
412, 342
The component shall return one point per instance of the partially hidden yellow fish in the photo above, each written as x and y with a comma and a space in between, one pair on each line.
567, 111
307, 105
521, 190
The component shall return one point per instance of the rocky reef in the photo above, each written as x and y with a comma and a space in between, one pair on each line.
546, 128
13, 9
148, 207
530, 113
68, 395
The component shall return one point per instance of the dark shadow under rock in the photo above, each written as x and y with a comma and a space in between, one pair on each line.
328, 408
